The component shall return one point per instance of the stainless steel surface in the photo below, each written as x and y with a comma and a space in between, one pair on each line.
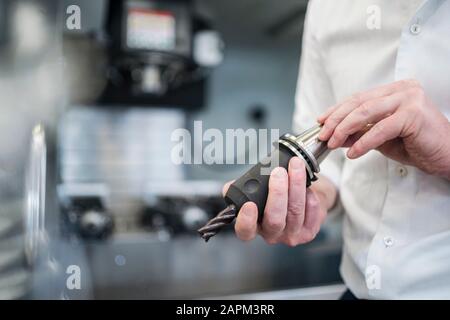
289, 142
185, 188
34, 215
329, 292
31, 92
308, 147
311, 144
185, 268
124, 150
127, 148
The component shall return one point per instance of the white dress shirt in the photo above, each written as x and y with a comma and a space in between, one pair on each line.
397, 218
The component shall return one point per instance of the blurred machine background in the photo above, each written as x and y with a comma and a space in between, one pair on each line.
110, 95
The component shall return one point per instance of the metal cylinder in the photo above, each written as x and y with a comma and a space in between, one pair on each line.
308, 147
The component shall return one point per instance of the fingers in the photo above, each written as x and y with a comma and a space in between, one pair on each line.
297, 198
369, 112
275, 211
334, 118
314, 216
388, 89
326, 114
292, 215
337, 116
247, 222
383, 131
354, 137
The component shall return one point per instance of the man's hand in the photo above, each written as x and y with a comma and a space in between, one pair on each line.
293, 214
398, 120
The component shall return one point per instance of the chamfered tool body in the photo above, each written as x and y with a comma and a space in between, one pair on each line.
253, 185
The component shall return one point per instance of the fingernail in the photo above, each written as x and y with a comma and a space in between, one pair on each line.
332, 143
246, 209
279, 172
296, 163
322, 134
351, 153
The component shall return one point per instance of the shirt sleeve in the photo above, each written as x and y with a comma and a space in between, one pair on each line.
314, 91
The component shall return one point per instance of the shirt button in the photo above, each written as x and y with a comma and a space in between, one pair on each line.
402, 171
388, 242
415, 28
